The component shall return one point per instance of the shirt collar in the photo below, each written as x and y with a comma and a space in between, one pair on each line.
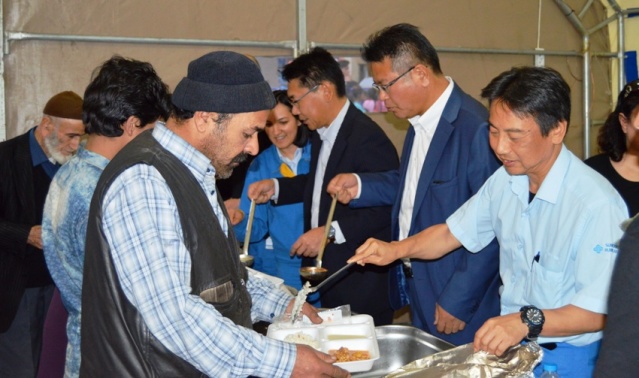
551, 186
330, 133
91, 158
297, 156
434, 113
189, 155
37, 153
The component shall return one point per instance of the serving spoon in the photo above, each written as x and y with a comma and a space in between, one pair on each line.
317, 273
245, 258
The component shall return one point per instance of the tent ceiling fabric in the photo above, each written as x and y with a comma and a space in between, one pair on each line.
34, 70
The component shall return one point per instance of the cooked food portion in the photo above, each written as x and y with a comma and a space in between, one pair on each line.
302, 338
345, 355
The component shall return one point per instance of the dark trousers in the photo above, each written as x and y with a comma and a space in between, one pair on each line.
54, 340
20, 345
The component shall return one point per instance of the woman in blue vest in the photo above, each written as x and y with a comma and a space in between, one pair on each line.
276, 228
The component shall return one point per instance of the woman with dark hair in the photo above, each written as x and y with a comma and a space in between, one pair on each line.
276, 228
619, 143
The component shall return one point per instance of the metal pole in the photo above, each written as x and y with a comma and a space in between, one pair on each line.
570, 14
3, 118
464, 50
19, 36
585, 8
602, 24
621, 31
576, 22
302, 38
586, 95
620, 40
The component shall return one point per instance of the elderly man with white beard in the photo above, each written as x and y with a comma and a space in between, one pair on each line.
27, 164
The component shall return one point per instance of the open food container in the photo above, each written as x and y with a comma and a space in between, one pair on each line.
352, 339
400, 345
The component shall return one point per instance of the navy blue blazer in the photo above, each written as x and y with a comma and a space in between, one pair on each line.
360, 146
458, 162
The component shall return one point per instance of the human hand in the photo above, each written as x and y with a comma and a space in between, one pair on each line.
500, 333
233, 208
35, 236
313, 363
310, 311
447, 323
344, 186
376, 252
308, 244
261, 191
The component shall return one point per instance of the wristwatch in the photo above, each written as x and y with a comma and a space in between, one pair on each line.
534, 319
331, 235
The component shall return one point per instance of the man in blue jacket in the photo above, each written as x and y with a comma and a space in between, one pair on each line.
445, 160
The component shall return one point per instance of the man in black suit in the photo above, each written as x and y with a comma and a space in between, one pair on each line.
27, 165
346, 141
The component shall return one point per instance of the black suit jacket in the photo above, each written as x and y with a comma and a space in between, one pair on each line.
361, 146
17, 216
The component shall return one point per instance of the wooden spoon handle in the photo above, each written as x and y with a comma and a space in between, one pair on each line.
249, 225
327, 228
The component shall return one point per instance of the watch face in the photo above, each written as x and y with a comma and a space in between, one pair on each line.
534, 316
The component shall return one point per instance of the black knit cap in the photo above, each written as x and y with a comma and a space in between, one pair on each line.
223, 82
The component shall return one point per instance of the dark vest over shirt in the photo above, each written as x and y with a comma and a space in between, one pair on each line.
115, 339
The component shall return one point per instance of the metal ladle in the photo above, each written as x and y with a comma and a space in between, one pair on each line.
316, 273
245, 258
330, 278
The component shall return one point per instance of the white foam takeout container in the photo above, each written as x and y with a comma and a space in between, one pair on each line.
355, 332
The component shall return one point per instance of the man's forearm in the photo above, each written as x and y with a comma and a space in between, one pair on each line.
429, 244
571, 320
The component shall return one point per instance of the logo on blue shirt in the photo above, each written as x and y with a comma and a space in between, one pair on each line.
609, 247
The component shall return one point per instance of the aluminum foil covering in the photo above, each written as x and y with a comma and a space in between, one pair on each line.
462, 361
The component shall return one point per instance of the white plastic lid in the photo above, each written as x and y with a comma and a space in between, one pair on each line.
550, 367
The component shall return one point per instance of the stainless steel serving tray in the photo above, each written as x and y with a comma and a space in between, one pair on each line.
400, 345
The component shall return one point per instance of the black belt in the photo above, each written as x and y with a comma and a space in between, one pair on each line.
408, 271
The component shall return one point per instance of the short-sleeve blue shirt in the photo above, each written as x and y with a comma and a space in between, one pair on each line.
559, 249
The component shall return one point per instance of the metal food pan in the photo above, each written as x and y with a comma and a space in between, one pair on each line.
400, 345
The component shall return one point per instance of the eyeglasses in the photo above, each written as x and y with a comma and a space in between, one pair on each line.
295, 102
385, 87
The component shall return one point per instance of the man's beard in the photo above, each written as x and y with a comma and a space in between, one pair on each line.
52, 143
228, 169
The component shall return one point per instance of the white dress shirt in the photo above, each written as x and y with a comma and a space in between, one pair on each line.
328, 136
425, 126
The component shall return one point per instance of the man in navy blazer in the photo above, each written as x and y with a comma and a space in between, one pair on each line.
445, 160
345, 140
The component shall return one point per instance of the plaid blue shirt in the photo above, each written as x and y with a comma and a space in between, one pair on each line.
142, 225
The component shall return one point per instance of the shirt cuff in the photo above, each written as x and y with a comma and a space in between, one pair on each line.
276, 189
339, 235
278, 359
359, 186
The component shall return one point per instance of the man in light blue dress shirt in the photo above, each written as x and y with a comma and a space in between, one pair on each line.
557, 222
